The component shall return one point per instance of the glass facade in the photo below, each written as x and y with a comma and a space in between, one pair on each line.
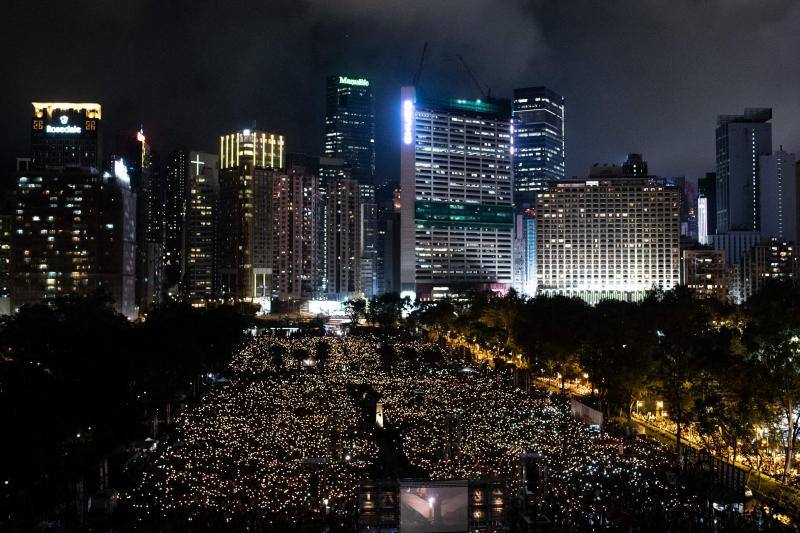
350, 125
538, 142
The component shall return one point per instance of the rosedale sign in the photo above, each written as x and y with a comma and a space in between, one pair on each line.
62, 129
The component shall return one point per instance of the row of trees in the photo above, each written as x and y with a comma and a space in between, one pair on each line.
724, 370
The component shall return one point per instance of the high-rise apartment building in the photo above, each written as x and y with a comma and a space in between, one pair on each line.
342, 238
538, 138
249, 161
609, 238
370, 260
350, 125
177, 172
737, 246
778, 196
199, 241
706, 273
294, 210
770, 259
456, 197
741, 141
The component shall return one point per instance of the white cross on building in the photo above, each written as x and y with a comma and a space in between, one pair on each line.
197, 164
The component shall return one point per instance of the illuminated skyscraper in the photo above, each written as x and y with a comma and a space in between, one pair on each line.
741, 140
539, 145
350, 125
199, 239
73, 228
66, 134
612, 238
249, 161
456, 203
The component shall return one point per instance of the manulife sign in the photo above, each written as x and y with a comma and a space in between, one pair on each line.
470, 215
361, 82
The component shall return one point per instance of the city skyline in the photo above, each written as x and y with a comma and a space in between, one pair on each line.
463, 265
638, 91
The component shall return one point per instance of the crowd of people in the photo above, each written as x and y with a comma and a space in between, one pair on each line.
289, 437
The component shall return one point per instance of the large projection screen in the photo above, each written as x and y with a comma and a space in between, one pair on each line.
433, 507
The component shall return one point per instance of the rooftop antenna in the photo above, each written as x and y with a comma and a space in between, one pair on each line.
421, 62
487, 93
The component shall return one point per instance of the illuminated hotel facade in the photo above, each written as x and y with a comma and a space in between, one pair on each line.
612, 238
456, 197
249, 160
73, 228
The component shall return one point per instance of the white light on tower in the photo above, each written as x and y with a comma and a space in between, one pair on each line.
702, 220
121, 171
408, 121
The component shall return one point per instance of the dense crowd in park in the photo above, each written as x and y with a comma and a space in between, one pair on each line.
288, 439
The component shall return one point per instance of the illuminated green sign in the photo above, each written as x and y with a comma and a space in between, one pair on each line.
361, 82
470, 215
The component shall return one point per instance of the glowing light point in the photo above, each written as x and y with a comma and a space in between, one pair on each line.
408, 121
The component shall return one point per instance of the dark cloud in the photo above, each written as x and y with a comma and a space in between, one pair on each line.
638, 75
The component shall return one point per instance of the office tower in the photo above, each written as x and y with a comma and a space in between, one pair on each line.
779, 217
350, 125
199, 239
66, 135
294, 210
456, 200
249, 161
71, 226
741, 140
609, 238
343, 238
538, 139
177, 172
706, 273
706, 207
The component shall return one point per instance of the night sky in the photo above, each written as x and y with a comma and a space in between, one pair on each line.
638, 76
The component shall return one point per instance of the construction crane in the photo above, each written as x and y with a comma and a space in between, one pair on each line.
487, 93
421, 61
